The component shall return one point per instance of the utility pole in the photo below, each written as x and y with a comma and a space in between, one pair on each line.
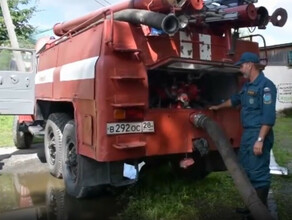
11, 33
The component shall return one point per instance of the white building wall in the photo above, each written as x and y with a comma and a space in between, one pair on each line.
282, 78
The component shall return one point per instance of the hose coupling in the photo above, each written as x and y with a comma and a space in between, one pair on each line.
198, 119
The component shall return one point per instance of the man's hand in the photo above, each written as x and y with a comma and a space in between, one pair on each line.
258, 148
214, 107
225, 104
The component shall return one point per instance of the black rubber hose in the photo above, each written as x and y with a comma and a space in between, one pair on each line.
258, 210
168, 23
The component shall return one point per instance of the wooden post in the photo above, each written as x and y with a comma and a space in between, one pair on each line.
11, 33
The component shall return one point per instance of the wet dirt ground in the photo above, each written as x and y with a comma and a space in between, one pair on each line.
28, 191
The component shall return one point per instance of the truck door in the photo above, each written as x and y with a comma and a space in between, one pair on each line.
17, 81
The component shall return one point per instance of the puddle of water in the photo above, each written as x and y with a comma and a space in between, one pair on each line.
42, 197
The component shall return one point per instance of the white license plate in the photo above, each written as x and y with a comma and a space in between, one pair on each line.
130, 127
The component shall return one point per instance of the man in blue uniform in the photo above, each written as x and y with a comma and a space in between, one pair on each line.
257, 99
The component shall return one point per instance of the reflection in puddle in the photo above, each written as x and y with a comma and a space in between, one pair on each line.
42, 197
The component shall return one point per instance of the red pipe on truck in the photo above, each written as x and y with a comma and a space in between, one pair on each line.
152, 5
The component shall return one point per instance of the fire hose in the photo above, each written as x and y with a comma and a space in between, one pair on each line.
258, 210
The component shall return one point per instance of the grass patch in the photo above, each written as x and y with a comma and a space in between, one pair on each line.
283, 140
161, 195
6, 138
282, 185
282, 191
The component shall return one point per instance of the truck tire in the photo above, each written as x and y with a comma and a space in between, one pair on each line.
22, 140
74, 166
53, 142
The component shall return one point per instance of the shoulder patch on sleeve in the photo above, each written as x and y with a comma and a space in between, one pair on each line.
267, 98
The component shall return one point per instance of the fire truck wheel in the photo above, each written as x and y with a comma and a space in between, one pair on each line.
22, 140
53, 142
72, 163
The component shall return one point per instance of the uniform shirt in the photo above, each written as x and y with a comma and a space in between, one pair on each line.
258, 100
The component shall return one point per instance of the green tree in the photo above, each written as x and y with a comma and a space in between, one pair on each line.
20, 14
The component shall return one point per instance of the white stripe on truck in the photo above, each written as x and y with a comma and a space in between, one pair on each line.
82, 69
45, 76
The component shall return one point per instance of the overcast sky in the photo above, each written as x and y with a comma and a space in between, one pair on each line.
53, 11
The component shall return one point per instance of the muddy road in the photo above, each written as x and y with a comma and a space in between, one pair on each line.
28, 191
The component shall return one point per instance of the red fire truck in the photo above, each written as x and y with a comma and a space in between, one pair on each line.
117, 86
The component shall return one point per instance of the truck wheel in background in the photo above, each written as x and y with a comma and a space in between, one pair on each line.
22, 140
76, 166
53, 142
